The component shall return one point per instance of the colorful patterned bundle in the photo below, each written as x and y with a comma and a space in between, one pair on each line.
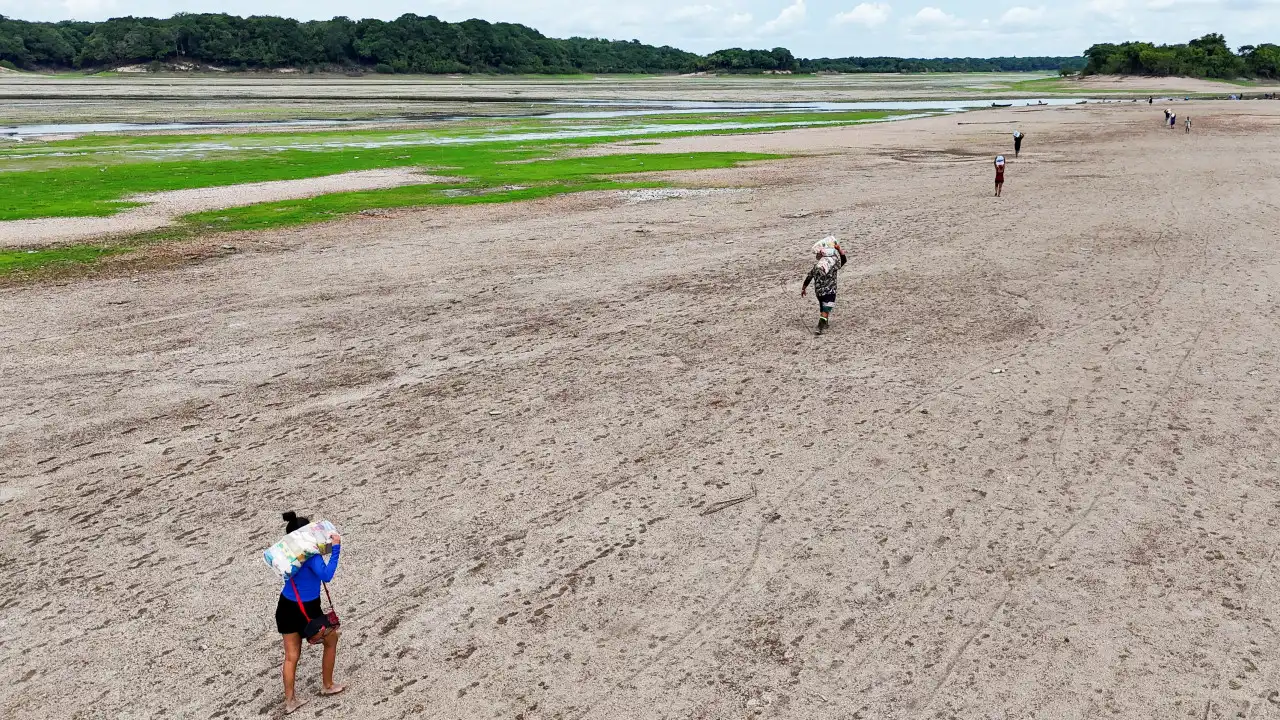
828, 265
828, 246
294, 549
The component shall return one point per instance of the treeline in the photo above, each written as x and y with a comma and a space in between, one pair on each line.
739, 60
920, 65
408, 44
781, 59
1208, 57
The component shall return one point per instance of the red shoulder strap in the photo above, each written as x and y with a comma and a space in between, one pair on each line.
298, 599
326, 594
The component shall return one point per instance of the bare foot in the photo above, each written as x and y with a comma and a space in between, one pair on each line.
333, 689
292, 705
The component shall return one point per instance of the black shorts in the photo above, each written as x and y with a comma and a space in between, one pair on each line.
289, 617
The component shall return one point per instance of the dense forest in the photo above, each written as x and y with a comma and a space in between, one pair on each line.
916, 65
409, 44
1208, 57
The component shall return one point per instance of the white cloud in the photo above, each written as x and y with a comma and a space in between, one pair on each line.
707, 21
691, 12
946, 33
789, 19
1023, 17
1238, 5
932, 18
87, 8
870, 15
1108, 8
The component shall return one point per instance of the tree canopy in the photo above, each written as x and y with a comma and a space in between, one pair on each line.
408, 44
916, 65
1207, 57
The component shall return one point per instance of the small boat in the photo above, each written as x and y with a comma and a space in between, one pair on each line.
1083, 102
1000, 105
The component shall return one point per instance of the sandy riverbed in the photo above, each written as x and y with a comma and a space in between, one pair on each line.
1030, 473
168, 98
1176, 85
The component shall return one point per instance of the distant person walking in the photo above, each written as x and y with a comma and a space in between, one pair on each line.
299, 603
1188, 125
1017, 142
1173, 120
1167, 113
999, 175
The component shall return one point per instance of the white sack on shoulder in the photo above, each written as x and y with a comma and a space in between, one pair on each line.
294, 549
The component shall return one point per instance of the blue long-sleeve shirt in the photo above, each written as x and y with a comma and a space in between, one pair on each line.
313, 572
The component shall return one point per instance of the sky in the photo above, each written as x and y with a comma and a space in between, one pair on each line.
809, 28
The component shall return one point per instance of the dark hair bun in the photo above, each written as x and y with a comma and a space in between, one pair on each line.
290, 516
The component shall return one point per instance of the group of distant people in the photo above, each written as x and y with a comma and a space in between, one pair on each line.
1018, 137
830, 257
829, 261
1171, 118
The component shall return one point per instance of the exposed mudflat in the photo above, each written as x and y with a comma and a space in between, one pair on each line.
1134, 83
274, 96
590, 460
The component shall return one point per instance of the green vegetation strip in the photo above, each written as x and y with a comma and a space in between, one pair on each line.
775, 117
97, 191
486, 175
499, 183
1042, 85
1056, 86
93, 176
326, 207
19, 260
99, 150
96, 175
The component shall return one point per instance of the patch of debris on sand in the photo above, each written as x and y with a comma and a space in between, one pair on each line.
655, 194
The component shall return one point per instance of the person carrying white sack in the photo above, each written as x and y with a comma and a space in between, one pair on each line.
829, 258
298, 609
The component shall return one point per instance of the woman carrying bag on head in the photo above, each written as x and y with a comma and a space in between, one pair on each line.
299, 615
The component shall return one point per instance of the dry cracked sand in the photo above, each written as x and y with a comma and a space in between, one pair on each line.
1031, 472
